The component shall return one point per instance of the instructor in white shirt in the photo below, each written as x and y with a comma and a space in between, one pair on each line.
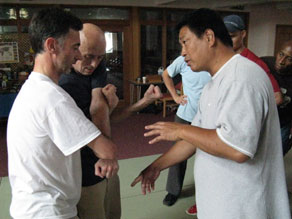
239, 169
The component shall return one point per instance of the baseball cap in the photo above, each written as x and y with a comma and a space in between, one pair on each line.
233, 23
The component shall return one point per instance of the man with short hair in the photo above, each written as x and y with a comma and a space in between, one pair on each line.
237, 32
46, 129
281, 68
239, 170
86, 83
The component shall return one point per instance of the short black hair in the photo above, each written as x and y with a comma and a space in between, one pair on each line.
51, 22
202, 19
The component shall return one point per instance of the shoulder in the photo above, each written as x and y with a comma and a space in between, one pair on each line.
244, 70
179, 61
253, 57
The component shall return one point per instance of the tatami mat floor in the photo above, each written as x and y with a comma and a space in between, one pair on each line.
134, 204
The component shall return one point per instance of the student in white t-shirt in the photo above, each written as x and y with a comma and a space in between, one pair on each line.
46, 129
239, 169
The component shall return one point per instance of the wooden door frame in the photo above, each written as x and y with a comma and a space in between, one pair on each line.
125, 29
278, 38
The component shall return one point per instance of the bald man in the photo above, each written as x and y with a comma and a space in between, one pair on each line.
281, 68
100, 197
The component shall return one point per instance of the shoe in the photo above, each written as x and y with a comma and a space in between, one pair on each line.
169, 199
192, 210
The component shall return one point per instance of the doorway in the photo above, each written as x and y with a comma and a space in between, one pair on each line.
117, 60
283, 33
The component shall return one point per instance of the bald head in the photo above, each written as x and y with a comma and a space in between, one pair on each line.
92, 48
283, 63
92, 35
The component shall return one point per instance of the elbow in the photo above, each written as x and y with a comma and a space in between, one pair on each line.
240, 157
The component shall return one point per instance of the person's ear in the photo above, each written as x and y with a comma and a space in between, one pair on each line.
50, 45
243, 34
210, 37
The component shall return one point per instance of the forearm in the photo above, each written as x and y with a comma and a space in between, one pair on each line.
179, 152
99, 111
169, 84
278, 97
101, 118
103, 147
123, 113
207, 140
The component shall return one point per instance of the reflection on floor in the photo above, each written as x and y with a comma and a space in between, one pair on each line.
134, 204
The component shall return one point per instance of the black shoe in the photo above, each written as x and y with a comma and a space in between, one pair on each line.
169, 199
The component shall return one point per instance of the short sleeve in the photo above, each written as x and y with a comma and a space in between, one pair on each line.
240, 113
176, 66
68, 127
99, 76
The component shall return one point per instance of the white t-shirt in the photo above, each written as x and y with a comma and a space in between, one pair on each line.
239, 103
46, 129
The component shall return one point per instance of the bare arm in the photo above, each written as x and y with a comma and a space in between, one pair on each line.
188, 139
170, 87
106, 150
99, 111
152, 94
205, 139
278, 97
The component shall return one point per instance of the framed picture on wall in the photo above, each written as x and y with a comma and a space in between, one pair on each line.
9, 52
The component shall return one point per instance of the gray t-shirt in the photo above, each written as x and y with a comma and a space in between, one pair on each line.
239, 103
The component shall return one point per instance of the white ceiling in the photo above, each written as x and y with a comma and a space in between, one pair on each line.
215, 4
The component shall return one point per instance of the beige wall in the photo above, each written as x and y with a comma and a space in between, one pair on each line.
262, 28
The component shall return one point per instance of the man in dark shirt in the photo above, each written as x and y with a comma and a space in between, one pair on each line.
281, 68
100, 198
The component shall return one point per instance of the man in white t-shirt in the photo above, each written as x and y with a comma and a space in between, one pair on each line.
239, 170
46, 129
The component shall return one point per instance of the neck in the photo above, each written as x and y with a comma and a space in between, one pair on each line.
239, 50
221, 55
43, 65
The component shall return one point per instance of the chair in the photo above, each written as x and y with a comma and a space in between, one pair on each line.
167, 100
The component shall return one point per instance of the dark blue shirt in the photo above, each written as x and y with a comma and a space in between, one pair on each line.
79, 87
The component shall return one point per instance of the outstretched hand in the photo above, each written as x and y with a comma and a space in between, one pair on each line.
152, 93
168, 131
147, 178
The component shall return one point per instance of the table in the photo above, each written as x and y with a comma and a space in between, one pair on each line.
138, 85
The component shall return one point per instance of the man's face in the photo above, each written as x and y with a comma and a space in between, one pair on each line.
193, 49
283, 64
68, 52
237, 39
92, 54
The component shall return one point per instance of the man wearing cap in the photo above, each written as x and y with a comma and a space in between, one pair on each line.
237, 32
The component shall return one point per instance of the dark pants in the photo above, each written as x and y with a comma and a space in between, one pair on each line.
176, 173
